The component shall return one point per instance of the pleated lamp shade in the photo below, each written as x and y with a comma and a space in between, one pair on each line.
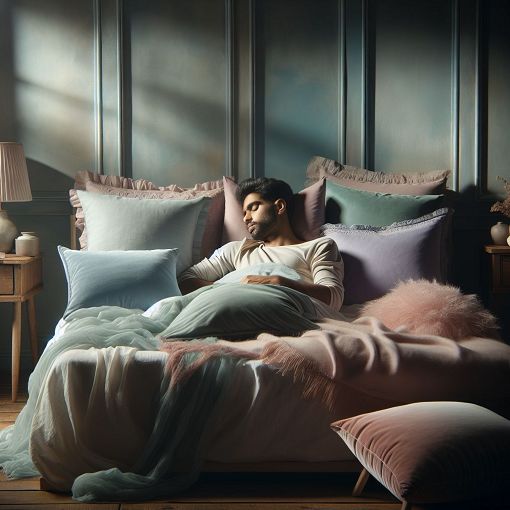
14, 183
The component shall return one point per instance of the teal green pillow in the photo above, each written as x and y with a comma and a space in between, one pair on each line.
355, 207
130, 279
120, 223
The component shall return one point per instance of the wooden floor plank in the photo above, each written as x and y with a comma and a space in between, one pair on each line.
24, 484
8, 417
9, 407
60, 506
258, 506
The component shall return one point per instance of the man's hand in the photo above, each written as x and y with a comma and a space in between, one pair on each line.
264, 279
320, 292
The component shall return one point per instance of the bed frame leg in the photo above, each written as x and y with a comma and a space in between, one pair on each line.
360, 484
44, 485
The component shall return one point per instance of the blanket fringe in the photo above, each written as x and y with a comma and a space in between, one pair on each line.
179, 370
289, 361
279, 354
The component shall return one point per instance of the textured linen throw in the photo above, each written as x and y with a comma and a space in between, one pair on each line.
186, 403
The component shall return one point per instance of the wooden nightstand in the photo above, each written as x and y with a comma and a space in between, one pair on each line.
20, 281
499, 290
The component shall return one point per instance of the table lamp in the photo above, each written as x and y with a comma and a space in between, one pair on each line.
14, 187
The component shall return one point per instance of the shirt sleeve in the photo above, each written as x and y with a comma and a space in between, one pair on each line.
327, 269
221, 262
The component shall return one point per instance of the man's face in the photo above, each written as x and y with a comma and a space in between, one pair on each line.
260, 216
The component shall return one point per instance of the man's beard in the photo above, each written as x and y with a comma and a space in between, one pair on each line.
264, 226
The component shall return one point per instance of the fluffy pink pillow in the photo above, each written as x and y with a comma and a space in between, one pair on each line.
306, 220
431, 308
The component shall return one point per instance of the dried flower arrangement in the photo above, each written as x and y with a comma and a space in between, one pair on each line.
503, 207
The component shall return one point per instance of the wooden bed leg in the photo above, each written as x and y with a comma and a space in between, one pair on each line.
360, 484
45, 486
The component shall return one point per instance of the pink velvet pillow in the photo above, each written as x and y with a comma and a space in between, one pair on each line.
307, 218
413, 183
432, 452
430, 308
141, 188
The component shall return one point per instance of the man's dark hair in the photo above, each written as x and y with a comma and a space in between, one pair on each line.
269, 189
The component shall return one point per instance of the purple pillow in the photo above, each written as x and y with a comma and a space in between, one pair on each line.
376, 259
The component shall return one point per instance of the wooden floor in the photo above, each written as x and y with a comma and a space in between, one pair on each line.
298, 491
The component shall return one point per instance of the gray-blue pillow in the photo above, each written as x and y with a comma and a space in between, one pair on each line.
376, 259
130, 279
120, 223
355, 207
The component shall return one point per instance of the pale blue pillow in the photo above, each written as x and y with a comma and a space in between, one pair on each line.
130, 279
120, 223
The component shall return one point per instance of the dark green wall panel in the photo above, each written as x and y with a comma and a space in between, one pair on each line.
178, 90
498, 93
297, 94
410, 58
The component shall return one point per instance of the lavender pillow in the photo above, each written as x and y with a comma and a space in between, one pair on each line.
307, 218
376, 259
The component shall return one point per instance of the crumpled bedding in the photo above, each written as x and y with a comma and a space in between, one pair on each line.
362, 365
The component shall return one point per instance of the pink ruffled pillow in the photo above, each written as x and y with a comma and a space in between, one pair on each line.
308, 216
430, 308
409, 183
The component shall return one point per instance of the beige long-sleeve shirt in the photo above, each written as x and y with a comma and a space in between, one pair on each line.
316, 261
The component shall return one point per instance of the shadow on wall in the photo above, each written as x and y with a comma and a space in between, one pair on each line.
471, 231
45, 178
7, 102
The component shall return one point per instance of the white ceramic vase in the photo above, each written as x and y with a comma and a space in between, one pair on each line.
27, 244
499, 232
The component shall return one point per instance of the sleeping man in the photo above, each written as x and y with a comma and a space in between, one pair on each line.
267, 206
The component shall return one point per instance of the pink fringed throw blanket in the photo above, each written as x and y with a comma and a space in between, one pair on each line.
345, 363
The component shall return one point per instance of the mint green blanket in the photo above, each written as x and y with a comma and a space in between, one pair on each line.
228, 310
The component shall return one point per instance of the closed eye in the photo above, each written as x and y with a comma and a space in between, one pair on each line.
252, 206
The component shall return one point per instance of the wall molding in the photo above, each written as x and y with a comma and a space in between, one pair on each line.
481, 167
455, 94
230, 95
44, 203
364, 84
252, 92
98, 87
342, 83
121, 138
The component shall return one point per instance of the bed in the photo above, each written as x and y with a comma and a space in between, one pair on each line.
125, 404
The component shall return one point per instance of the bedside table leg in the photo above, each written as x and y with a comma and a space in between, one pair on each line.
34, 344
16, 348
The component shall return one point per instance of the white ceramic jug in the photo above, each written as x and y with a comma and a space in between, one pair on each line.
27, 244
